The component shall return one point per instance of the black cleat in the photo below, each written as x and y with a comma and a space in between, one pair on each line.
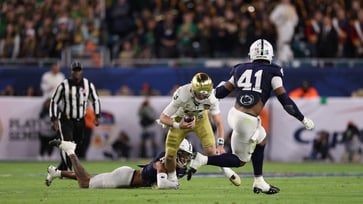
55, 142
190, 173
270, 191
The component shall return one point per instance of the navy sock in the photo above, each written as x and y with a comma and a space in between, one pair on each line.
224, 160
257, 159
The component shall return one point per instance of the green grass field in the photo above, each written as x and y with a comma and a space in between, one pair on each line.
310, 183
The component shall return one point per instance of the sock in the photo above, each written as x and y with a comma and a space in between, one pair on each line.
259, 179
172, 176
257, 159
224, 160
227, 172
58, 173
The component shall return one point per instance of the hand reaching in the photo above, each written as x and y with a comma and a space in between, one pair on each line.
308, 123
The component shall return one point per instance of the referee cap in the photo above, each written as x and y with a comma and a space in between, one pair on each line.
76, 66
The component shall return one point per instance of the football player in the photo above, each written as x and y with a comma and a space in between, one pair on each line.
152, 174
194, 100
252, 82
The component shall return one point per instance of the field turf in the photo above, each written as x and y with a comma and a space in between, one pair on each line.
310, 183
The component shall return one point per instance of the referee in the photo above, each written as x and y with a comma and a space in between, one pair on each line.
68, 107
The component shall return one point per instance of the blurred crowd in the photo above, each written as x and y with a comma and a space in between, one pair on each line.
181, 28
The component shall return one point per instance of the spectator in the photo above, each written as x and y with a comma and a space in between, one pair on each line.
46, 38
124, 90
51, 79
285, 18
205, 37
31, 91
46, 133
186, 35
167, 37
10, 43
63, 36
341, 26
121, 146
356, 34
78, 37
118, 18
29, 45
223, 34
351, 140
246, 35
328, 41
8, 91
126, 54
320, 149
312, 30
147, 115
147, 90
306, 90
148, 37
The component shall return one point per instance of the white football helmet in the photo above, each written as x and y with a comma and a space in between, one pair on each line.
261, 49
184, 153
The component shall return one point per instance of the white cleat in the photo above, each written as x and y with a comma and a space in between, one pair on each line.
52, 174
263, 187
235, 179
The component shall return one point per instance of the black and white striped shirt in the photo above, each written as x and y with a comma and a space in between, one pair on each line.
70, 99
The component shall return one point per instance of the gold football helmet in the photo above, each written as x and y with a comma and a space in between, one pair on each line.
202, 85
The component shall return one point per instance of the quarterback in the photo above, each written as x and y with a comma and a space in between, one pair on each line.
152, 174
188, 112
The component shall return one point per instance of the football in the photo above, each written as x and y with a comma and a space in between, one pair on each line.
188, 118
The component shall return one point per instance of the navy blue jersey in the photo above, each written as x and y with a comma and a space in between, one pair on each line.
252, 82
148, 173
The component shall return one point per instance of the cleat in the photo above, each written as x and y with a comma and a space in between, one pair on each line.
259, 187
52, 174
235, 179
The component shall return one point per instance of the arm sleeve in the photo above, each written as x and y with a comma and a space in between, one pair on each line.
290, 106
164, 183
221, 91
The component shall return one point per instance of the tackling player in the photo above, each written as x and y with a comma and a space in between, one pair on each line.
151, 174
253, 83
193, 101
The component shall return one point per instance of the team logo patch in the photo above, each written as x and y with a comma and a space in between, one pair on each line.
247, 100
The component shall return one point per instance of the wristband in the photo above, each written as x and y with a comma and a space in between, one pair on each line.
176, 125
220, 141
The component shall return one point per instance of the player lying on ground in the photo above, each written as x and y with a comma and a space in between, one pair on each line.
124, 176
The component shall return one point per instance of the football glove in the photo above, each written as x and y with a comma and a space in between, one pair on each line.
308, 123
